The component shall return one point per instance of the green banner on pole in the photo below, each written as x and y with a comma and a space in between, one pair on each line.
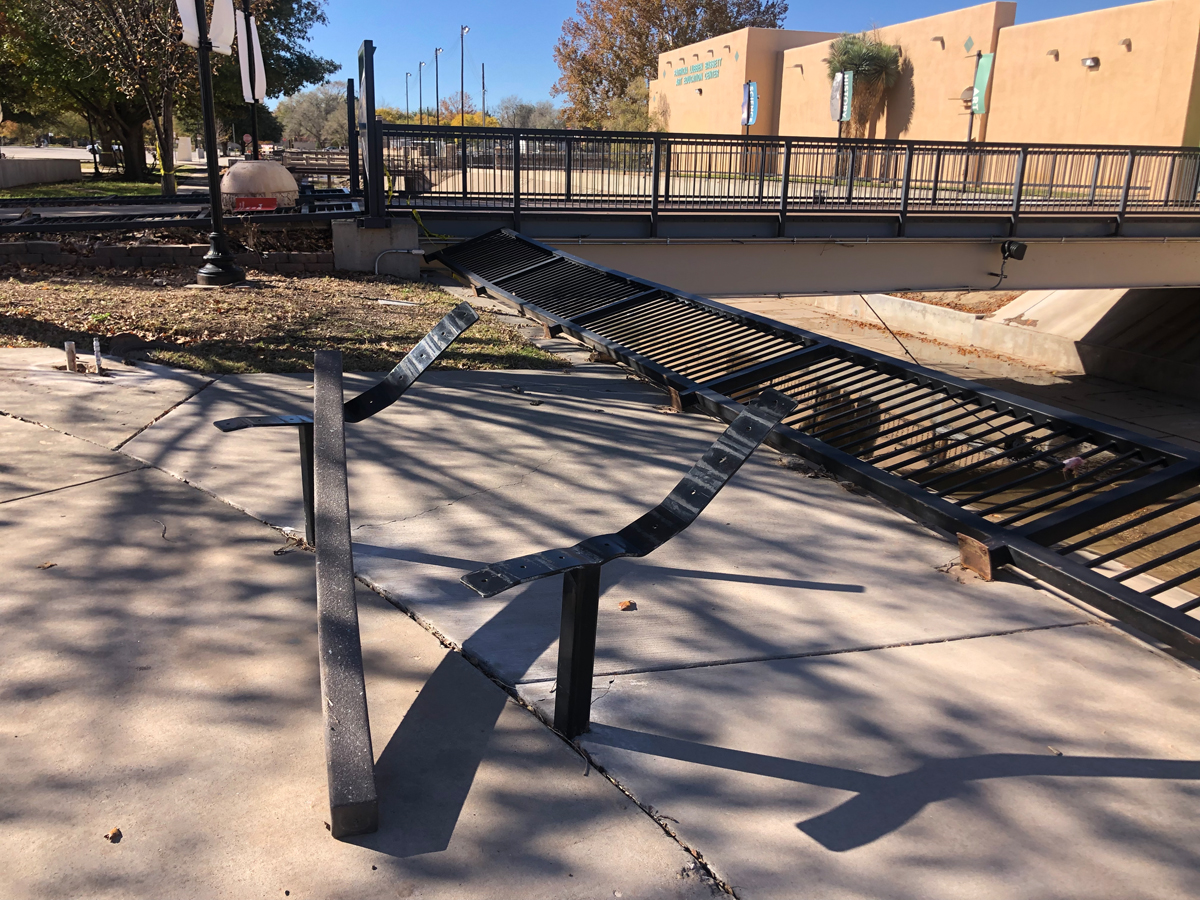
983, 71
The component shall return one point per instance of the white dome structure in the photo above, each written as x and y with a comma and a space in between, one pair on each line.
258, 178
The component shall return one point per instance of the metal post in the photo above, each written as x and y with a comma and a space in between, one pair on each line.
462, 164
219, 267
1170, 178
407, 112
306, 482
349, 760
483, 94
376, 201
850, 175
783, 186
1018, 186
569, 162
1095, 181
577, 650
352, 137
1124, 205
249, 51
905, 187
92, 145
655, 170
437, 87
462, 82
516, 176
666, 167
937, 175
421, 92
762, 170
971, 113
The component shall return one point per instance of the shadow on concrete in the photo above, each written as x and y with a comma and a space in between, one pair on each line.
884, 803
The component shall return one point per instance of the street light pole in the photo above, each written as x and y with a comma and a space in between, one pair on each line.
421, 92
407, 114
437, 88
219, 267
462, 69
483, 93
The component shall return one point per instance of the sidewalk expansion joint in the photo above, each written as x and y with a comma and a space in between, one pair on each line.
165, 412
711, 664
76, 484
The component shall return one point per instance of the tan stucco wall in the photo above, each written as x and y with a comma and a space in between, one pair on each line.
925, 102
1142, 95
751, 54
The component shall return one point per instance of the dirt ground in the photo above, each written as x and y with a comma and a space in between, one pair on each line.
978, 302
272, 326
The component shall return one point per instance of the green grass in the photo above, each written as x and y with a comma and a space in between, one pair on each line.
84, 188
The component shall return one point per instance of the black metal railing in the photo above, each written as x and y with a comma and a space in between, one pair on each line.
1110, 516
440, 167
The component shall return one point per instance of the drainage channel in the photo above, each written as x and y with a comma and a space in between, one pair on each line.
1109, 516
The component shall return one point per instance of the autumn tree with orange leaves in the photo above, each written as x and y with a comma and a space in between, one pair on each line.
609, 44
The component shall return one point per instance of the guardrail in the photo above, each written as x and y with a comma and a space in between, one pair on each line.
491, 168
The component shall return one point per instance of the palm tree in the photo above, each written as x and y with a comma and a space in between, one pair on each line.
875, 65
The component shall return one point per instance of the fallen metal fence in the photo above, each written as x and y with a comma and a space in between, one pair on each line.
449, 167
1107, 515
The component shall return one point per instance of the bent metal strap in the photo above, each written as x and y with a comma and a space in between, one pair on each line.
392, 387
669, 518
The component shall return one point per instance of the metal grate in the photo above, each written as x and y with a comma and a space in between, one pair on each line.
1108, 515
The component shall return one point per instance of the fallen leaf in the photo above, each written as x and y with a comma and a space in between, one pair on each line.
536, 402
47, 565
114, 836
627, 606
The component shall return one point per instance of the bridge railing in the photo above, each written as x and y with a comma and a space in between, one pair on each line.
446, 166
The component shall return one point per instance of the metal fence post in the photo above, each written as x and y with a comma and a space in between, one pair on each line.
783, 186
937, 177
462, 163
1018, 186
1170, 178
666, 167
569, 164
306, 481
1124, 204
655, 171
577, 650
352, 137
904, 188
516, 176
762, 170
850, 175
1095, 181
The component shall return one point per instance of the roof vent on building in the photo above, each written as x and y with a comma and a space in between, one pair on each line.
1053, 53
1091, 62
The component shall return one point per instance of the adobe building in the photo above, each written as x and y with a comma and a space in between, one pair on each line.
699, 88
1125, 75
926, 103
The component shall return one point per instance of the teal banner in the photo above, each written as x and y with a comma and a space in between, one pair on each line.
983, 72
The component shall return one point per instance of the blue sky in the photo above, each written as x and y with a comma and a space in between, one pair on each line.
516, 39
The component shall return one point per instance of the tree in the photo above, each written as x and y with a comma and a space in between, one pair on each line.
318, 114
631, 111
136, 43
513, 112
609, 44
875, 65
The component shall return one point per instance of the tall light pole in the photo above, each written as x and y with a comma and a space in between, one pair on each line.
407, 114
462, 69
437, 88
421, 92
219, 267
483, 93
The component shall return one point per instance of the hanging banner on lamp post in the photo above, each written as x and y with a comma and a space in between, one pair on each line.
220, 32
749, 102
258, 90
983, 71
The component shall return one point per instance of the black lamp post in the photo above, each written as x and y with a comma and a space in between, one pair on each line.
421, 92
407, 114
219, 267
437, 89
249, 51
462, 69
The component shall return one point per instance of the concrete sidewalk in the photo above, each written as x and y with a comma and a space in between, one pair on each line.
808, 694
160, 677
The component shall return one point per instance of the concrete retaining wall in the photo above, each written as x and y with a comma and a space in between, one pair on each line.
16, 172
155, 256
